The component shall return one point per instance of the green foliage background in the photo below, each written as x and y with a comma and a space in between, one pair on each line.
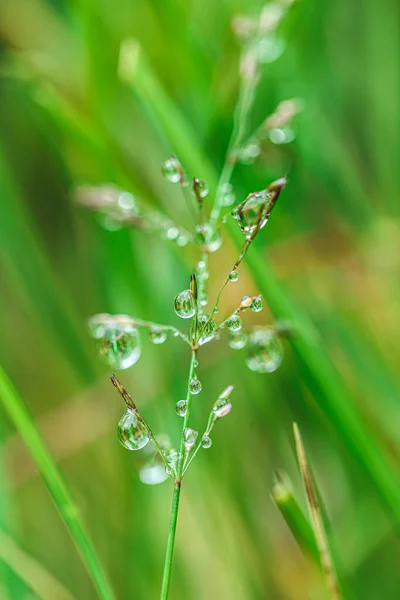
331, 249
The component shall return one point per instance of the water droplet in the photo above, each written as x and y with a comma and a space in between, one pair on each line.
221, 408
118, 340
189, 438
281, 135
237, 340
201, 268
195, 386
207, 328
157, 335
216, 310
181, 408
206, 238
202, 187
185, 304
132, 434
234, 323
172, 233
153, 473
204, 301
172, 170
270, 49
233, 276
249, 152
227, 195
251, 213
257, 304
127, 203
182, 240
246, 302
265, 351
206, 441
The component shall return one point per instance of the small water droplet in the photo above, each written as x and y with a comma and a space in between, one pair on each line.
128, 203
246, 302
185, 304
181, 408
118, 341
189, 438
264, 352
206, 441
227, 195
157, 335
249, 152
270, 49
251, 213
182, 240
221, 408
208, 239
172, 170
216, 310
202, 187
282, 135
132, 434
195, 386
257, 304
234, 323
237, 340
233, 276
172, 233
207, 328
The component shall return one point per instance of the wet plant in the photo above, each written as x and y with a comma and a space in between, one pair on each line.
118, 336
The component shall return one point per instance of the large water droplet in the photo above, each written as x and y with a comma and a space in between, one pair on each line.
172, 170
132, 434
233, 276
227, 195
206, 441
237, 340
118, 340
264, 352
250, 214
207, 328
195, 386
189, 437
181, 408
206, 238
157, 335
234, 323
185, 304
257, 304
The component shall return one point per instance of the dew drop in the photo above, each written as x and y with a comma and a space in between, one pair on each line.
154, 472
281, 135
118, 340
250, 214
246, 302
172, 170
189, 438
270, 49
172, 233
222, 407
227, 195
206, 441
202, 187
233, 276
237, 340
257, 304
132, 434
181, 408
195, 386
182, 240
185, 304
157, 335
249, 152
264, 352
208, 239
208, 328
234, 323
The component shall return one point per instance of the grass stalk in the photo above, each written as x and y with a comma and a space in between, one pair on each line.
18, 413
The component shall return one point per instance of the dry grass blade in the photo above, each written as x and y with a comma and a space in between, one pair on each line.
326, 559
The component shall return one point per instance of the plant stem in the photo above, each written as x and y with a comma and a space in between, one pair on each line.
171, 540
177, 489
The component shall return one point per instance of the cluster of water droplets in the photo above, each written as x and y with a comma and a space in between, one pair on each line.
117, 339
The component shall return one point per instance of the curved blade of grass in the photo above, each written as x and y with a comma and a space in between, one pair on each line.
18, 413
37, 578
321, 376
326, 560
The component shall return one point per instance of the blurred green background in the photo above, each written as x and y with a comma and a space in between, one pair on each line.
332, 244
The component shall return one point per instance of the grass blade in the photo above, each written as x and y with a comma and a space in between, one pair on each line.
18, 413
325, 555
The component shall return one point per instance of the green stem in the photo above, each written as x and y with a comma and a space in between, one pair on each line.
171, 540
